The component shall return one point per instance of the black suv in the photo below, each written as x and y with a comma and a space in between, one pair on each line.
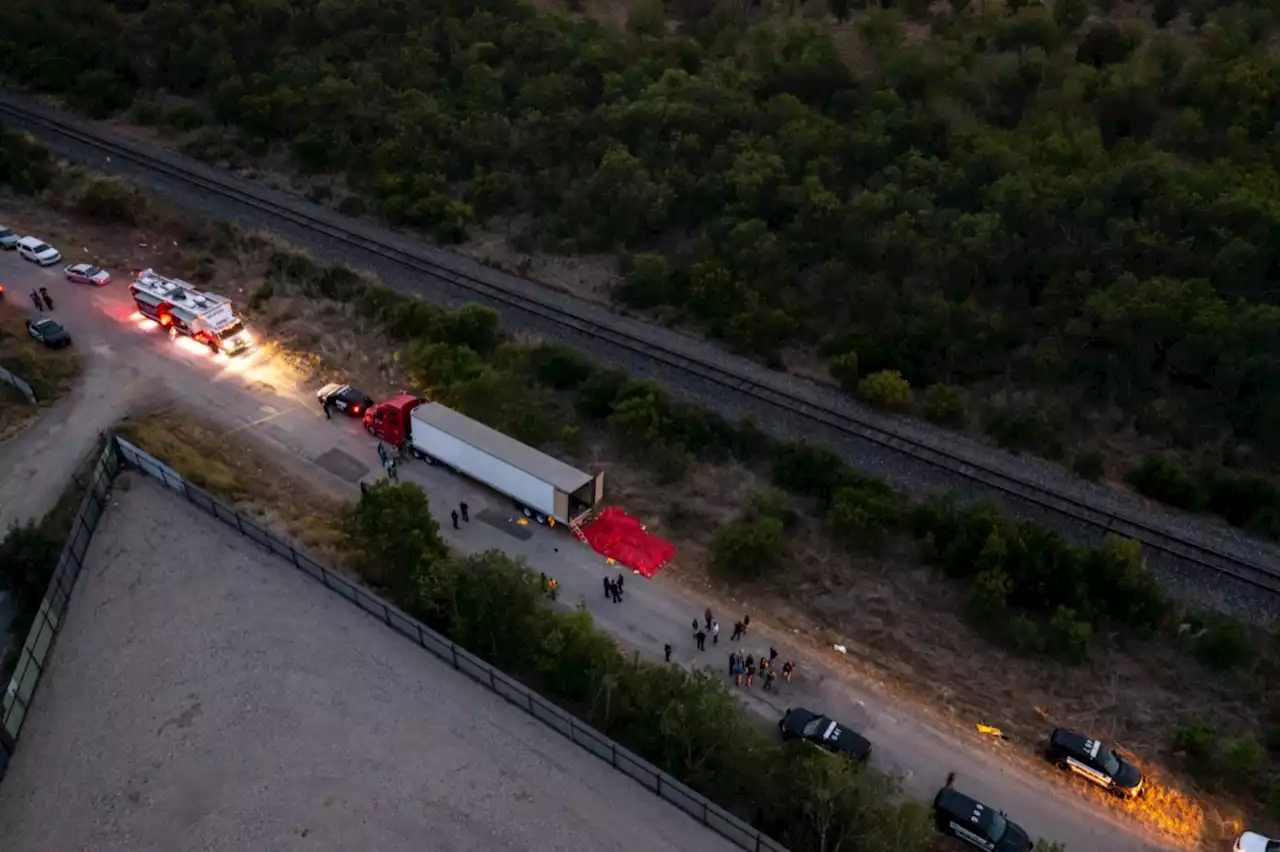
344, 398
1072, 752
823, 732
969, 820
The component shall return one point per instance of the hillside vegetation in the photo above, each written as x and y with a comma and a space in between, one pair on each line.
1059, 221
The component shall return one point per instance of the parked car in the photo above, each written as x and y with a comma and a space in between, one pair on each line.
49, 333
8, 239
38, 251
350, 401
967, 819
1094, 761
1253, 842
823, 732
87, 273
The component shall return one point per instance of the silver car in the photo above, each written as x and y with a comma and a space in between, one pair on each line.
8, 239
87, 273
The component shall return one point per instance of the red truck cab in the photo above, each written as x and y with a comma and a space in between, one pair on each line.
389, 421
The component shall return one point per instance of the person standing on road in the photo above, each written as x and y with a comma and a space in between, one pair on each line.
48, 300
324, 403
751, 672
390, 465
707, 615
619, 581
382, 452
454, 515
787, 668
715, 633
701, 639
733, 662
617, 593
35, 300
666, 651
695, 625
746, 623
769, 679
465, 516
773, 655
608, 588
737, 631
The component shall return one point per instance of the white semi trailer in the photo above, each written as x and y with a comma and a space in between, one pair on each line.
544, 488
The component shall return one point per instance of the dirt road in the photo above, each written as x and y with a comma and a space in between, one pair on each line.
129, 363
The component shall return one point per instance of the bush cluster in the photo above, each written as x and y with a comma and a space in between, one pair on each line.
689, 725
25, 167
1239, 764
1027, 585
1246, 501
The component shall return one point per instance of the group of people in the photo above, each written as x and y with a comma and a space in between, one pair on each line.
389, 458
41, 299
741, 666
613, 591
745, 667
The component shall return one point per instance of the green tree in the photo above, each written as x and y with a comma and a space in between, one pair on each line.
393, 536
844, 369
748, 551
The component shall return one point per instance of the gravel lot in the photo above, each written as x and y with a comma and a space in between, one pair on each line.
1195, 584
204, 695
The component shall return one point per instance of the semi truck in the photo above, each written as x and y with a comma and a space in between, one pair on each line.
182, 309
545, 489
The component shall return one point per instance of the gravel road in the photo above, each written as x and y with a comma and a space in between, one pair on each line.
205, 695
1188, 582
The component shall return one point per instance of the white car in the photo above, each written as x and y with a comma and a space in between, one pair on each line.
38, 251
1250, 842
87, 273
8, 239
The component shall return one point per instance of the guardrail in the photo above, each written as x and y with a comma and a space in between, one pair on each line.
120, 453
22, 685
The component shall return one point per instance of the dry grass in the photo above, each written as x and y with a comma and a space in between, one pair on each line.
237, 471
51, 373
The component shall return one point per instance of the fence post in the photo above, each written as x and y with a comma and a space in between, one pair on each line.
453, 649
239, 526
293, 554
386, 614
528, 694
493, 683
613, 754
659, 785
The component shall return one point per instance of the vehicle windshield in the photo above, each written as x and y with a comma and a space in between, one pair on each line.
231, 330
41, 249
49, 327
999, 825
91, 271
813, 727
1110, 763
6, 232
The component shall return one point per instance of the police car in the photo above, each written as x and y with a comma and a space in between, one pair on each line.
1089, 758
967, 819
823, 732
345, 398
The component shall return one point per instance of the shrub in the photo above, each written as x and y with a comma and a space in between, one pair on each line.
749, 550
1023, 635
28, 556
810, 469
1242, 757
111, 201
648, 282
1030, 430
886, 389
596, 395
1161, 479
560, 367
946, 406
1196, 739
988, 597
25, 167
474, 326
1224, 645
862, 516
1090, 466
1067, 636
772, 503
844, 369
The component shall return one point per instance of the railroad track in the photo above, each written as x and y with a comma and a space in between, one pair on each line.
1250, 572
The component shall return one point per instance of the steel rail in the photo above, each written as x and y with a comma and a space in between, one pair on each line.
1252, 573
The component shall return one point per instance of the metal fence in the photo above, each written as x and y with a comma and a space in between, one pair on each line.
120, 452
31, 660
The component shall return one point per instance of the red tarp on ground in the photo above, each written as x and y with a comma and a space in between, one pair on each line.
620, 537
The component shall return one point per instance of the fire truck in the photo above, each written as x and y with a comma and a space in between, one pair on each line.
182, 309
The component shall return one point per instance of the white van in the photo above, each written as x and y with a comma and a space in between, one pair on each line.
38, 251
